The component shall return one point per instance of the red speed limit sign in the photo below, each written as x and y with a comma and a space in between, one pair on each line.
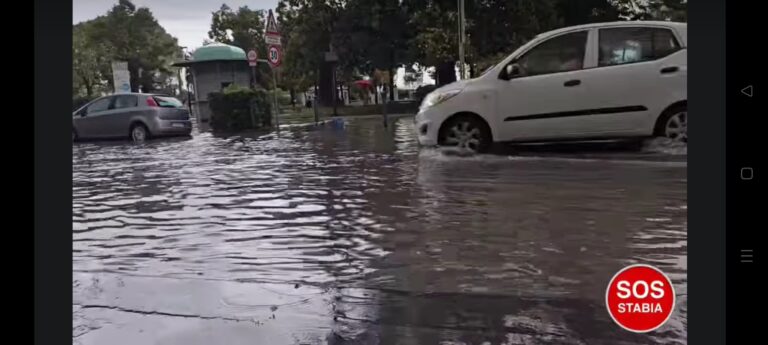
273, 55
640, 298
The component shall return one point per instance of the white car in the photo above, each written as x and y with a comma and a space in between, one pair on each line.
595, 81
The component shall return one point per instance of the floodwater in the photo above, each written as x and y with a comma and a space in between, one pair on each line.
353, 235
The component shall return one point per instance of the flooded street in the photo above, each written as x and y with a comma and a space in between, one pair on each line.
354, 235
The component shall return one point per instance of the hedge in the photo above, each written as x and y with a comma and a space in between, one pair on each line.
231, 109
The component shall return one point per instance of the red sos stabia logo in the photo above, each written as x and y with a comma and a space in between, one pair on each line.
640, 298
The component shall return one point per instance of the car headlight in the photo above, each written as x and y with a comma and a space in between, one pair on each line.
436, 98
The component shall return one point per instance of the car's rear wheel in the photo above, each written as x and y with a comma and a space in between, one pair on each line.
466, 132
139, 133
673, 124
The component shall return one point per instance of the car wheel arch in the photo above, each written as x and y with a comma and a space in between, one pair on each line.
471, 114
659, 116
135, 123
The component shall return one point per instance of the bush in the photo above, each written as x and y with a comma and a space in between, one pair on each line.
231, 109
423, 91
283, 97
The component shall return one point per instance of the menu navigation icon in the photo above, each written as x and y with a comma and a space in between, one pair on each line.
747, 173
746, 256
748, 91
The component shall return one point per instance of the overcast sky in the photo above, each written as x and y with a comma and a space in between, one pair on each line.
187, 20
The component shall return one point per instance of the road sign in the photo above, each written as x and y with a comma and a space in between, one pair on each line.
273, 55
121, 77
253, 58
273, 40
331, 57
271, 24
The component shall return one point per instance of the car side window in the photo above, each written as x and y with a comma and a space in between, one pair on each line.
559, 54
618, 46
127, 101
99, 105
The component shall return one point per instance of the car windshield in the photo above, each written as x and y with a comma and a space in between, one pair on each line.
168, 102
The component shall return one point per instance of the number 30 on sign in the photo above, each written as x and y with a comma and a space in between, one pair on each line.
273, 55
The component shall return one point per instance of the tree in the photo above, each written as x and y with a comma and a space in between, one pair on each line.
133, 35
675, 10
435, 39
575, 12
370, 35
295, 74
498, 27
243, 28
90, 63
306, 27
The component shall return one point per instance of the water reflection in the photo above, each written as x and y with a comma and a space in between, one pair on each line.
356, 236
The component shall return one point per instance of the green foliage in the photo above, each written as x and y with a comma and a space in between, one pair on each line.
674, 10
125, 33
306, 27
232, 109
91, 65
371, 34
243, 28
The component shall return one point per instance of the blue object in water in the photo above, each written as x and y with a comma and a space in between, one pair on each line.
337, 123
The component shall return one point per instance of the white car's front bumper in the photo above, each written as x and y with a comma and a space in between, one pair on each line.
427, 124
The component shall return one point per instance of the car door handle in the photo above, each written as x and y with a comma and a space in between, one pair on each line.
572, 83
667, 70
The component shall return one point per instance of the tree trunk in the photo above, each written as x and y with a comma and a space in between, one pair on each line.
375, 92
391, 85
88, 87
326, 84
446, 73
472, 70
293, 97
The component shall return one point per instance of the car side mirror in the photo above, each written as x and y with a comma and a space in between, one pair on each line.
83, 112
513, 71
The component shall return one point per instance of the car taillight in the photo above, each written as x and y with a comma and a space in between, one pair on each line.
151, 102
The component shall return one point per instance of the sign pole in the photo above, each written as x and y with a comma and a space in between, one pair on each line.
314, 99
253, 61
277, 106
274, 53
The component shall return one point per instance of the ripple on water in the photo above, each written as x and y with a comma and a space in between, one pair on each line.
399, 243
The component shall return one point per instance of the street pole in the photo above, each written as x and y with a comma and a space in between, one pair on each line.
461, 39
316, 97
277, 106
335, 89
384, 106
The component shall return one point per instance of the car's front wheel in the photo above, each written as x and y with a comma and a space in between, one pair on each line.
139, 133
673, 124
466, 132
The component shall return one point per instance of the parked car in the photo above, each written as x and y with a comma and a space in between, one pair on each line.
595, 81
131, 115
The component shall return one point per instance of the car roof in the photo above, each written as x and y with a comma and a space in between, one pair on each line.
681, 28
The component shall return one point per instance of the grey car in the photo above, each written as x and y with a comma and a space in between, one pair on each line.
131, 115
